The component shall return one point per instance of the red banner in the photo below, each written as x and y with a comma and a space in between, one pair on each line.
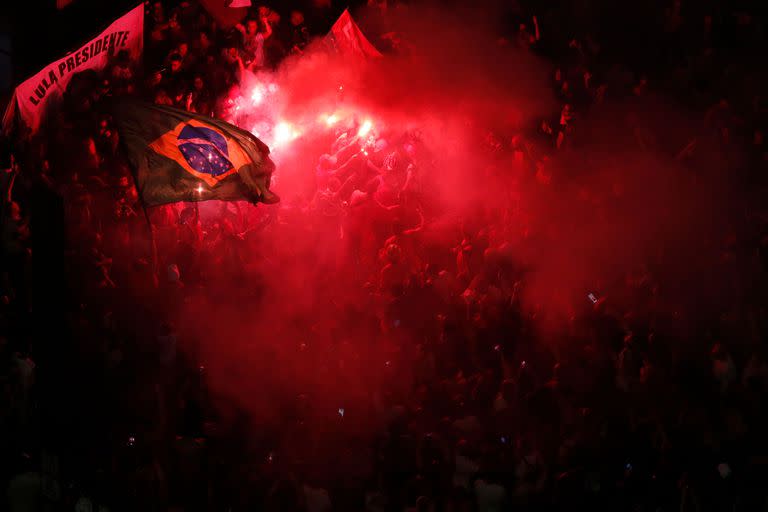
34, 96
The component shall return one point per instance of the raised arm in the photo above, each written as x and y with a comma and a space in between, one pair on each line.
10, 185
408, 178
346, 188
418, 228
267, 28
349, 147
342, 171
373, 167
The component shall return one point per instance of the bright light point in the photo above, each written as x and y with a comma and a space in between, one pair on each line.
257, 96
200, 189
331, 120
341, 87
365, 128
283, 133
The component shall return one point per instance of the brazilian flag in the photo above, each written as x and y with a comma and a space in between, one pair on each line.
182, 156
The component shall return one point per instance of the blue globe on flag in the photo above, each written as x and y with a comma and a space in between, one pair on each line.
205, 150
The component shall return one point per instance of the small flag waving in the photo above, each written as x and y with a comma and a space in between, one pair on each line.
181, 156
346, 38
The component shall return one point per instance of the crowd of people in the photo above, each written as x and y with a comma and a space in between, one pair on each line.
446, 394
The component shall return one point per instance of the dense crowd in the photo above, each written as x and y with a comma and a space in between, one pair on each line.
467, 408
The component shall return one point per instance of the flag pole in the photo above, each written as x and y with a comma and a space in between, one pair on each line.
153, 247
199, 228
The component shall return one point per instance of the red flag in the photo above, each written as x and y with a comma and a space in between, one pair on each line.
227, 13
347, 38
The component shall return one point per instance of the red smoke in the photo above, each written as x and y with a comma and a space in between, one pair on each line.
295, 313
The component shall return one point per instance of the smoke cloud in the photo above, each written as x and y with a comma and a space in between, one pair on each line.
295, 316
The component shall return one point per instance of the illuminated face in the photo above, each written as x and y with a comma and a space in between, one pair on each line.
297, 18
252, 27
183, 49
198, 83
175, 65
